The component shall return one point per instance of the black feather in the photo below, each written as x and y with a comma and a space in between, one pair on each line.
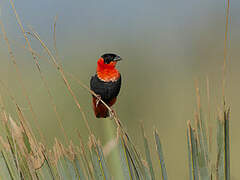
107, 90
108, 57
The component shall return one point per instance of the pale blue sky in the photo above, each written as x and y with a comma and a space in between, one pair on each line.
115, 24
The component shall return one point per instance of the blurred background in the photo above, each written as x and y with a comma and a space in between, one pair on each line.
165, 46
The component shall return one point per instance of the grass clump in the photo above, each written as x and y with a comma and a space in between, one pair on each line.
22, 157
202, 162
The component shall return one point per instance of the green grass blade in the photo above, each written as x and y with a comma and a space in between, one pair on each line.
49, 167
79, 169
148, 156
126, 169
202, 150
26, 142
5, 168
83, 157
8, 159
220, 150
103, 162
96, 166
20, 161
160, 156
147, 173
62, 169
13, 154
44, 173
130, 156
134, 157
192, 154
86, 165
226, 144
71, 168
204, 137
132, 167
202, 143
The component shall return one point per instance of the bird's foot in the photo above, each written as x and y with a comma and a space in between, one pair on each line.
98, 99
112, 114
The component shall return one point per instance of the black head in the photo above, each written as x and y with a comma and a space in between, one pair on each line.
109, 57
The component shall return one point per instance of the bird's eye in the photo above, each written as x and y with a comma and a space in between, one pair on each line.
107, 60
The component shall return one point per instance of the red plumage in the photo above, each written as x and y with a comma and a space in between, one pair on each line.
100, 110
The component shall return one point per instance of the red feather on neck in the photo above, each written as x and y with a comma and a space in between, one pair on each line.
107, 72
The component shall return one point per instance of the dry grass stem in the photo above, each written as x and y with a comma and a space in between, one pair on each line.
225, 49
12, 57
40, 72
60, 69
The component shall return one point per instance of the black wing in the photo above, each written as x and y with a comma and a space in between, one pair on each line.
107, 90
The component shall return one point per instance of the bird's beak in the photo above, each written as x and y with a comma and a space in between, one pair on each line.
117, 58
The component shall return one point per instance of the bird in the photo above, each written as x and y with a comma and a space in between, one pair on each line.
106, 84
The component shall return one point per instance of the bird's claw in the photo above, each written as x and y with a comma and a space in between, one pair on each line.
112, 113
98, 99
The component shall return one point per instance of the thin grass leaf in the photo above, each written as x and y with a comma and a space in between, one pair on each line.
220, 150
148, 156
132, 167
71, 168
204, 137
192, 154
5, 168
79, 169
50, 167
61, 158
96, 166
61, 168
86, 165
134, 156
19, 161
11, 144
226, 144
147, 171
7, 155
99, 164
202, 150
44, 173
82, 156
11, 165
19, 151
26, 142
102, 161
160, 156
127, 171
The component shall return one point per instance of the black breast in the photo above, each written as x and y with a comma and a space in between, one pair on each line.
107, 90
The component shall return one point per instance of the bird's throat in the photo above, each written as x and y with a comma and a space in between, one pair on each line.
108, 74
